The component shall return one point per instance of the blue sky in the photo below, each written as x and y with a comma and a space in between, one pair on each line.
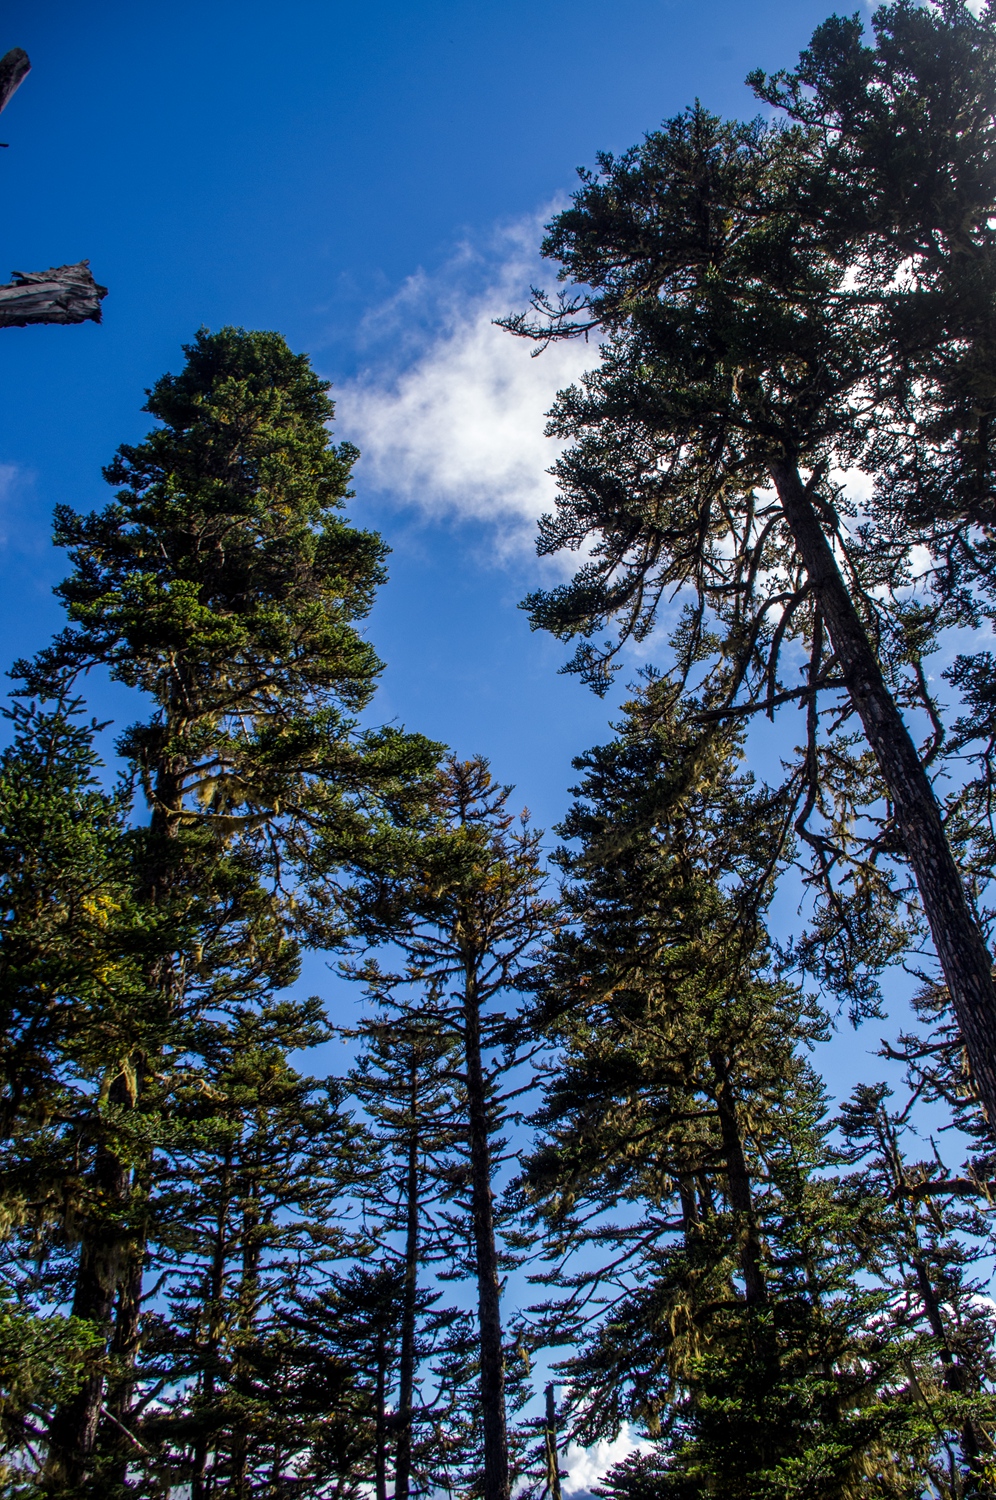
371, 180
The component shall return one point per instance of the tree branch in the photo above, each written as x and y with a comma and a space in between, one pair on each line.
63, 294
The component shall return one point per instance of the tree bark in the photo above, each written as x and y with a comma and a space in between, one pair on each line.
63, 294
14, 69
73, 1430
380, 1434
738, 1183
496, 1474
961, 950
550, 1443
409, 1308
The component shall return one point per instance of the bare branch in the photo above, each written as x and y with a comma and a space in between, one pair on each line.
63, 294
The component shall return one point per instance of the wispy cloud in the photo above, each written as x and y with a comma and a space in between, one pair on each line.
450, 411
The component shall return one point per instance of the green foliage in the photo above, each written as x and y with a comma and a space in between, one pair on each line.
815, 293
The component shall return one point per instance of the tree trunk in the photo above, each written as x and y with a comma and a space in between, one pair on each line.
966, 964
738, 1183
496, 1475
126, 1340
73, 1430
64, 294
380, 1433
409, 1307
550, 1443
200, 1482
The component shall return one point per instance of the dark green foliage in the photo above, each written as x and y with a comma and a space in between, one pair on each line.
224, 583
775, 312
469, 916
244, 1223
722, 1287
212, 1278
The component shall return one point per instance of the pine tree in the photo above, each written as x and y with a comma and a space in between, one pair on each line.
403, 1079
779, 305
223, 583
723, 1311
468, 914
246, 1218
74, 992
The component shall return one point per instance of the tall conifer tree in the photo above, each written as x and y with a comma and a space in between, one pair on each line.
780, 305
469, 915
224, 583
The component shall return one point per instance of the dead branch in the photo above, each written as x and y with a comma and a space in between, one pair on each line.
14, 68
63, 294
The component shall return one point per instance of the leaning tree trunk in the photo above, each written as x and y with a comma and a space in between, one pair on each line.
64, 294
496, 1475
961, 950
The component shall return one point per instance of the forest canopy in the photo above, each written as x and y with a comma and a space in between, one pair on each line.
580, 1177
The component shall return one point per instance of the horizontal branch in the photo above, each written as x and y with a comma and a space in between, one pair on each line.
954, 1187
63, 294
761, 705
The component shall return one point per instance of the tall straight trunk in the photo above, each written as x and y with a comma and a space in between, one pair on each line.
738, 1182
961, 950
247, 1301
380, 1432
127, 1336
496, 1475
550, 1443
106, 1258
200, 1480
409, 1307
72, 1432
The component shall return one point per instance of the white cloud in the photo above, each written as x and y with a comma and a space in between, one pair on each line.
586, 1466
452, 420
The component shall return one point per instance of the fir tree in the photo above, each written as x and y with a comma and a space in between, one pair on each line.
780, 304
723, 1311
245, 1220
403, 1079
224, 584
468, 914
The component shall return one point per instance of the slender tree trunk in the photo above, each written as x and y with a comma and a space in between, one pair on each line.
954, 1374
72, 1432
552, 1455
496, 1474
380, 1433
127, 1338
966, 964
409, 1308
247, 1303
216, 1291
738, 1183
